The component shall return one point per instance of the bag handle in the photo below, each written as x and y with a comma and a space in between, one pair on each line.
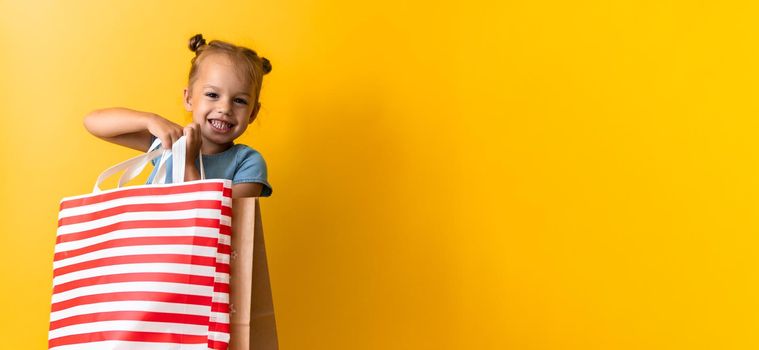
177, 153
134, 166
126, 165
135, 170
178, 157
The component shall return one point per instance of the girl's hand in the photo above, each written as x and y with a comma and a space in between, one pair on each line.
192, 132
165, 130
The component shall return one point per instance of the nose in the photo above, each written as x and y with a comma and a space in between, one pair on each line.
222, 107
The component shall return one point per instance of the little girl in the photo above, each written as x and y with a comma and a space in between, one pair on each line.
222, 94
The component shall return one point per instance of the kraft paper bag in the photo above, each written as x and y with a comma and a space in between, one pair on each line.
251, 307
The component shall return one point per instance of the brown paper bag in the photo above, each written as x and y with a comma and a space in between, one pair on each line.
251, 307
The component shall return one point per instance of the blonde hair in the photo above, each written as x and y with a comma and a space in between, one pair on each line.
246, 61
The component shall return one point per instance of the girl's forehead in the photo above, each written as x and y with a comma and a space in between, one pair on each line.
220, 72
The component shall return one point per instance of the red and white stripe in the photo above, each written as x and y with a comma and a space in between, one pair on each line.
218, 337
143, 268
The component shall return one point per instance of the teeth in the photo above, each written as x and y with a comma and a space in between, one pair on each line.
220, 124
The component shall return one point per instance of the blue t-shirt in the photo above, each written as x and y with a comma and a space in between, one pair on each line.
239, 163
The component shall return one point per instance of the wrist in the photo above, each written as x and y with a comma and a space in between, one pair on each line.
191, 172
149, 118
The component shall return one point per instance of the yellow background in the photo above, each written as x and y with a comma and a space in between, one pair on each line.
447, 175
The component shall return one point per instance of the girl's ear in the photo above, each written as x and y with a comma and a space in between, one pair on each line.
254, 112
187, 100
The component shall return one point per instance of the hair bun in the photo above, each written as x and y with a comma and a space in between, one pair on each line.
266, 64
196, 42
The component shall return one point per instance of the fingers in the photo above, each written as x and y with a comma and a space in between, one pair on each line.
192, 131
169, 136
188, 130
165, 130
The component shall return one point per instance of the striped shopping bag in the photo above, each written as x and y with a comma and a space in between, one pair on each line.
143, 267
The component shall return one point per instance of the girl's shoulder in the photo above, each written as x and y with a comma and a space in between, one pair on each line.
249, 166
244, 150
246, 154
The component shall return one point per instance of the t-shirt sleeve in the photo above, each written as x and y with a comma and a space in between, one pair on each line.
252, 168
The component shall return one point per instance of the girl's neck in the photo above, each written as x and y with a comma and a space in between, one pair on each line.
212, 148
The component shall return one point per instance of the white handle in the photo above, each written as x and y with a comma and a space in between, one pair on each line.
125, 165
134, 166
132, 172
178, 157
160, 172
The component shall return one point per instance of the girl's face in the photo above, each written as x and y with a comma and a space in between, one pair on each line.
221, 102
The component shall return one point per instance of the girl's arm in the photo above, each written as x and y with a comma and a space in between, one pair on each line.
247, 189
131, 128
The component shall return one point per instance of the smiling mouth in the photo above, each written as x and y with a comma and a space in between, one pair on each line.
220, 125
